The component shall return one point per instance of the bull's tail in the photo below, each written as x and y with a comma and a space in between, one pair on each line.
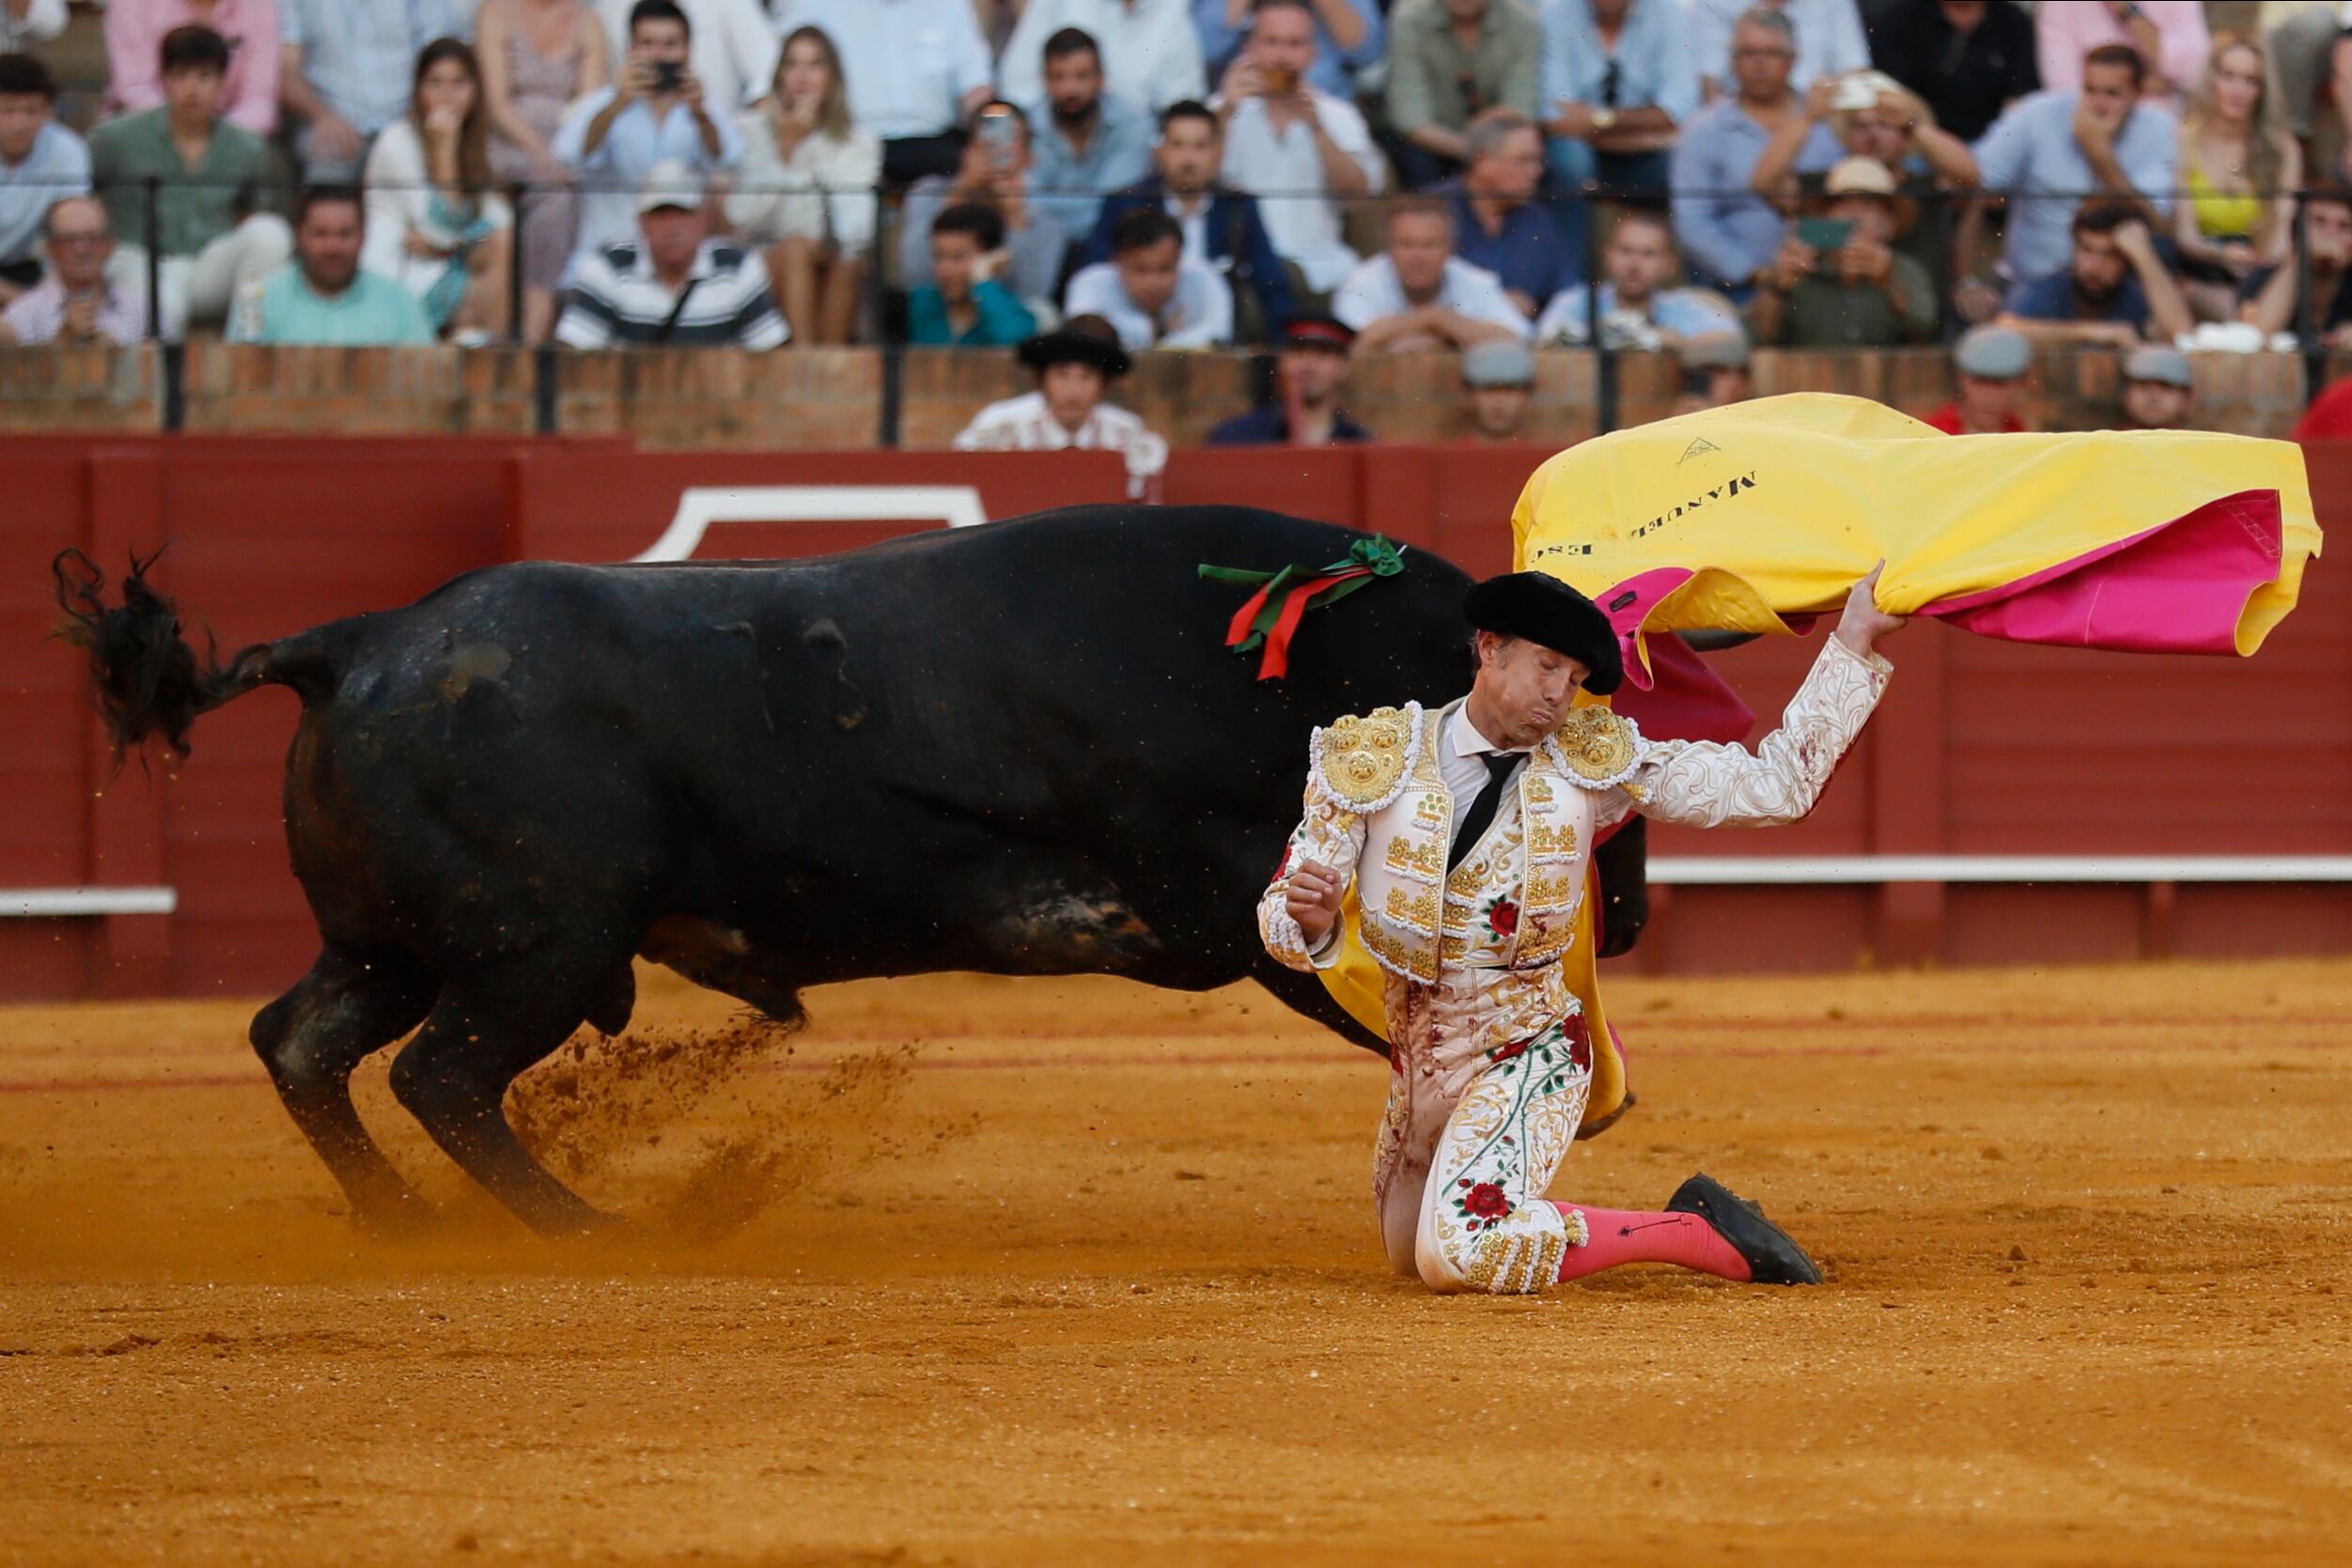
148, 679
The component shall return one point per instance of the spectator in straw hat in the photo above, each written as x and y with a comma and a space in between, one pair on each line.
1859, 292
1992, 361
2159, 393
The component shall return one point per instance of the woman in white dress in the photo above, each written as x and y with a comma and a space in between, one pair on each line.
805, 193
435, 221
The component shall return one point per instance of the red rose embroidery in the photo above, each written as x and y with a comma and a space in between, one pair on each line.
1504, 1053
1486, 1201
1504, 917
1284, 870
1580, 1042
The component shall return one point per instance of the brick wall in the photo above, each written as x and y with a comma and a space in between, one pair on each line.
811, 400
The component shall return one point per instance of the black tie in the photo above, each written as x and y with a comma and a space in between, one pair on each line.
1480, 816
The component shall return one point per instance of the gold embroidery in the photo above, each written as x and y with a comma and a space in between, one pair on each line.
1417, 961
1415, 909
1429, 812
1548, 842
1426, 859
1365, 759
1538, 790
1597, 745
1550, 892
1452, 950
1546, 943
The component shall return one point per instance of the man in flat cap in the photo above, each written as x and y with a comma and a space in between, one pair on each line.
1467, 831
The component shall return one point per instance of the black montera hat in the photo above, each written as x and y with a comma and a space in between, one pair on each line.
1067, 347
1542, 609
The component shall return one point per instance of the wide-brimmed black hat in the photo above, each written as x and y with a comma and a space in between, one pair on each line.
1542, 609
1065, 346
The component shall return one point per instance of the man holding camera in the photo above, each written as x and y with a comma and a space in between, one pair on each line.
1300, 150
654, 115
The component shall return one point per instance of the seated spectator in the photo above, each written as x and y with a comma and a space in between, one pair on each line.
1850, 288
1151, 52
995, 175
1151, 292
1075, 367
1715, 372
2159, 390
75, 304
806, 191
2238, 163
656, 114
1636, 310
1829, 39
1310, 375
1967, 60
2170, 39
2115, 288
1498, 391
341, 72
27, 22
674, 287
1992, 364
733, 53
2055, 149
135, 29
2271, 298
1090, 141
2311, 61
1617, 85
537, 57
1496, 222
1221, 225
916, 69
1346, 36
435, 221
1449, 62
215, 238
967, 307
1727, 231
1300, 150
1418, 295
326, 297
41, 162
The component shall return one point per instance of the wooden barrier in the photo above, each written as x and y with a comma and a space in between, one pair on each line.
1983, 748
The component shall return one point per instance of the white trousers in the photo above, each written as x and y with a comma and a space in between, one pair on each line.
206, 287
1489, 1076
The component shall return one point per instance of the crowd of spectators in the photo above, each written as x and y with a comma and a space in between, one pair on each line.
1331, 178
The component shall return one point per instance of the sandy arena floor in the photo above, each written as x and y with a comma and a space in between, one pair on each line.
993, 1272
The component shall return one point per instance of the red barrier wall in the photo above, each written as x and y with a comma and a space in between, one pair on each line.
1981, 748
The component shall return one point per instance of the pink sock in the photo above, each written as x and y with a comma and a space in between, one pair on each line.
1628, 1235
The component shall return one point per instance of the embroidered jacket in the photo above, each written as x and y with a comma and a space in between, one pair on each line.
1377, 811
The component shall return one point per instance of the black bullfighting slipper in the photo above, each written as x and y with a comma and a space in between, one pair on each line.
1773, 1256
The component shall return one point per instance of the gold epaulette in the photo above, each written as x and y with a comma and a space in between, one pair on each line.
1364, 760
1599, 749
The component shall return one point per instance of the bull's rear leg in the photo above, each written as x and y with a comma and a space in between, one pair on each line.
485, 1030
349, 1006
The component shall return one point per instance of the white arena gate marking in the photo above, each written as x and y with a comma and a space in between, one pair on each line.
956, 506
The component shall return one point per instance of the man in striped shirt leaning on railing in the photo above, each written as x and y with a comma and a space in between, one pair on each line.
674, 287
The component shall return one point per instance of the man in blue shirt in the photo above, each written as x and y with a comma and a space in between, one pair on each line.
616, 135
1727, 231
2051, 150
2113, 289
1090, 141
42, 163
1497, 224
1617, 80
348, 73
1222, 227
1349, 36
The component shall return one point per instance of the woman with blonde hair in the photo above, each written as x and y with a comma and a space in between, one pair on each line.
2240, 169
435, 221
805, 192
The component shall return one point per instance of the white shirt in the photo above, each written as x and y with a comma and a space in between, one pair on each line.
1372, 291
1199, 316
1024, 424
1151, 51
43, 18
825, 189
1285, 172
1830, 38
1462, 762
733, 49
400, 203
907, 63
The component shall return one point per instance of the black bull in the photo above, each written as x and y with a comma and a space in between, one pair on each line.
1022, 749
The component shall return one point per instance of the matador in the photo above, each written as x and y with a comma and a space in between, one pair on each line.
1466, 832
